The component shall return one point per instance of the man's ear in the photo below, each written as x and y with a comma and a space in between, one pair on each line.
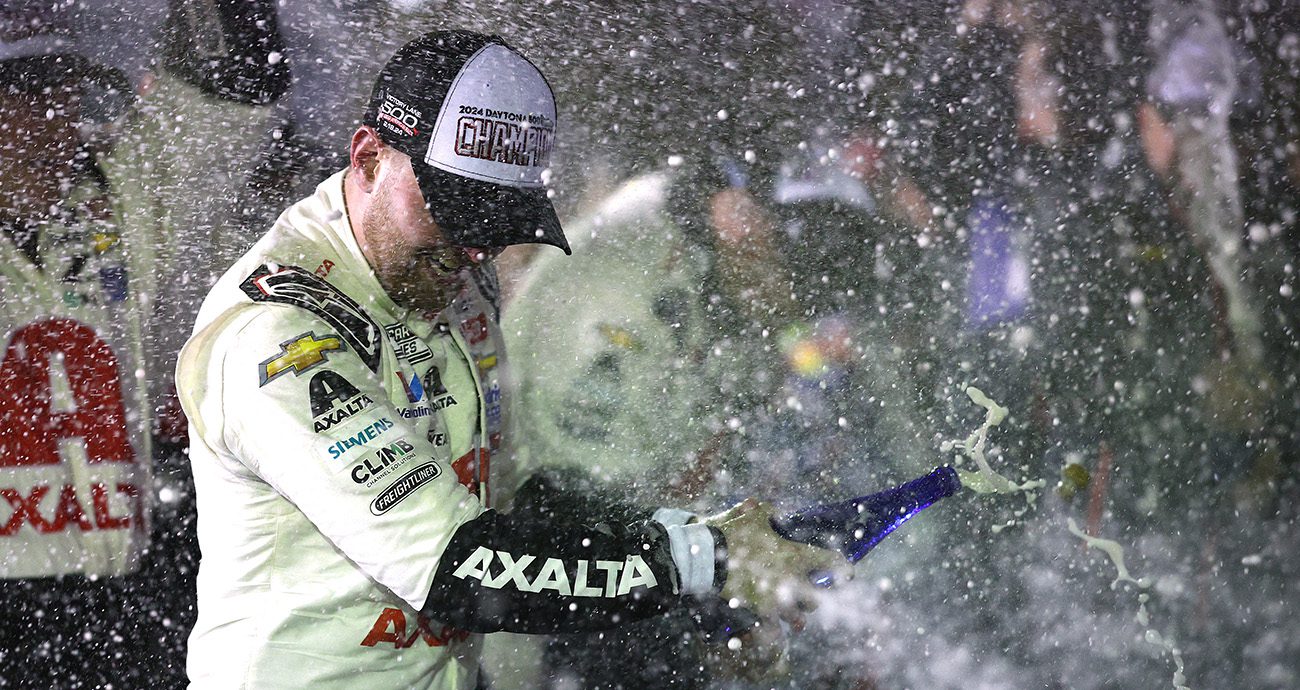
364, 154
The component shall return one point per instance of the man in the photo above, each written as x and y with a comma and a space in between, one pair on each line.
343, 386
74, 420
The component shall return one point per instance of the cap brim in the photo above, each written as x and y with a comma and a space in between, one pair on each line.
472, 213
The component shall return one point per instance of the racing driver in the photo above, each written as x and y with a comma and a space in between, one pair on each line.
344, 390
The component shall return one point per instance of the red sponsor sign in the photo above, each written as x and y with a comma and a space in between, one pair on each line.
30, 426
61, 390
68, 511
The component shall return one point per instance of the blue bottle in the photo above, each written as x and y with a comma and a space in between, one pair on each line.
855, 526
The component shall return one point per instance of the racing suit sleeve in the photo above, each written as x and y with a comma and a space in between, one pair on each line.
382, 493
572, 494
567, 494
591, 556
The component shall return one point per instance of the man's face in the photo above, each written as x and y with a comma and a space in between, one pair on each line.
38, 144
416, 265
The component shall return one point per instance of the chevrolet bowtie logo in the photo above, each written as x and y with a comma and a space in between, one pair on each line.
298, 354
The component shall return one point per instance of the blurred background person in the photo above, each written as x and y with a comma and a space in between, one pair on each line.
136, 200
730, 338
74, 413
637, 389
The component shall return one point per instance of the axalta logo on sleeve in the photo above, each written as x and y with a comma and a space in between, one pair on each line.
334, 399
620, 576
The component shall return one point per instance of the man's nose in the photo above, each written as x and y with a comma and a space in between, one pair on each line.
479, 255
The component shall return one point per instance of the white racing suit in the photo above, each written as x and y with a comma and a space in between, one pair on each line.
344, 453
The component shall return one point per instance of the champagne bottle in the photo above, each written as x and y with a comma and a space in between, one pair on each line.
855, 526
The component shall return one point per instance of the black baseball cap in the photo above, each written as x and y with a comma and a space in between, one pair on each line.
478, 121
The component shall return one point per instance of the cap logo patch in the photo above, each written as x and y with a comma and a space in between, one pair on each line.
398, 116
497, 123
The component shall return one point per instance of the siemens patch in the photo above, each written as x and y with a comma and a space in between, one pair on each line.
369, 433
